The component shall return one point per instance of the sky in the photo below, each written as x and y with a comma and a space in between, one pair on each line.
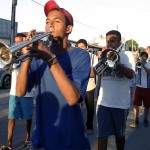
92, 18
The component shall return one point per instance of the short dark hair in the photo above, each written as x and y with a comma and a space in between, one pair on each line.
82, 41
143, 53
114, 32
20, 35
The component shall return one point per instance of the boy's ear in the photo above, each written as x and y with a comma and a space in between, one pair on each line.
69, 29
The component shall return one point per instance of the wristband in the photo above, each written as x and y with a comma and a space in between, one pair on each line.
51, 59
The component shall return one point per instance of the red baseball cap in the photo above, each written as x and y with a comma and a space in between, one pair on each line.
51, 4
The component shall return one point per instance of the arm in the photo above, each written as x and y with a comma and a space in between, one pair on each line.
64, 83
62, 80
145, 68
22, 79
127, 72
92, 73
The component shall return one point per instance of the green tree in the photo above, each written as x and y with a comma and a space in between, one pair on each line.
132, 45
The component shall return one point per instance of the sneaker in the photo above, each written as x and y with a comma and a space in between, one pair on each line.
135, 124
145, 123
4, 147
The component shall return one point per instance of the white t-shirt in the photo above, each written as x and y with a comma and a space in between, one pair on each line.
13, 83
91, 83
114, 90
142, 78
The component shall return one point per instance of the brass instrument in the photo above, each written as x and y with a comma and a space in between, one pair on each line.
138, 64
109, 59
6, 53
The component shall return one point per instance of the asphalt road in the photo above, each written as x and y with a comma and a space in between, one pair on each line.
136, 139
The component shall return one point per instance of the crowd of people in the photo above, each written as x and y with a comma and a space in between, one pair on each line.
65, 77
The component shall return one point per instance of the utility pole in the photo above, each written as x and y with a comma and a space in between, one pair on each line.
132, 45
13, 13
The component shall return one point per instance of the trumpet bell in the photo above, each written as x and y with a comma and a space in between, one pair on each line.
109, 58
5, 55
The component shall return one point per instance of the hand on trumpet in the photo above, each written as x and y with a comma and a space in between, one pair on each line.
41, 52
31, 34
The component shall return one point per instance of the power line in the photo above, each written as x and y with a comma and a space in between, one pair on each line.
37, 3
89, 26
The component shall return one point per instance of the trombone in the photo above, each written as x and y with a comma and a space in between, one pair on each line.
6, 53
109, 59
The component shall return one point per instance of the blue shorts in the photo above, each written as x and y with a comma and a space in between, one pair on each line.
111, 121
20, 107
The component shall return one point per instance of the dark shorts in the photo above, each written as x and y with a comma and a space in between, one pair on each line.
111, 121
20, 107
142, 95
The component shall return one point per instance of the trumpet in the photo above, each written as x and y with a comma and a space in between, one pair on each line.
138, 64
6, 53
109, 58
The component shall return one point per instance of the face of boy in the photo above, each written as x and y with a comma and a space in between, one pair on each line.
143, 58
56, 22
18, 40
81, 45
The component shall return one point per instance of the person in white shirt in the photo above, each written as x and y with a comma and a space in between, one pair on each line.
142, 90
89, 99
19, 107
114, 99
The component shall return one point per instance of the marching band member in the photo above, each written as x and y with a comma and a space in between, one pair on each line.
114, 100
60, 77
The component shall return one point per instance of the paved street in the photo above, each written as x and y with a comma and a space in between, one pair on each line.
136, 139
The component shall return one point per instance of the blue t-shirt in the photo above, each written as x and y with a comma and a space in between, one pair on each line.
58, 125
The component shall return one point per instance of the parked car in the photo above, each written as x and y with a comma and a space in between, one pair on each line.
5, 79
